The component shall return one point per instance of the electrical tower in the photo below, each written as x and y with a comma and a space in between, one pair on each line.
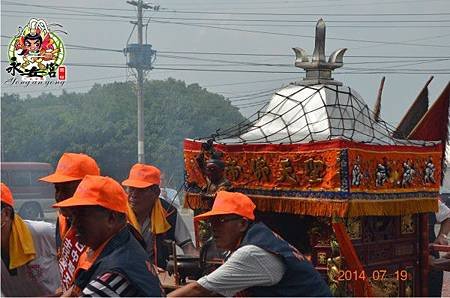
141, 57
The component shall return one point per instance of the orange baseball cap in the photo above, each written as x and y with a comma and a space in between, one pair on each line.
7, 197
72, 167
142, 176
230, 203
98, 191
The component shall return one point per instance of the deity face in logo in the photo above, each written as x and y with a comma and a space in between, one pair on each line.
32, 43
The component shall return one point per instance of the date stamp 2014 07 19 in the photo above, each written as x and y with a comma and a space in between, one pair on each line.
378, 274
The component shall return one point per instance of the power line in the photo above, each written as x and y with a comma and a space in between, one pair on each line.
163, 10
305, 36
220, 60
300, 21
88, 65
387, 69
330, 23
63, 6
356, 70
406, 71
71, 10
245, 63
77, 19
248, 82
428, 58
97, 65
291, 55
78, 47
231, 62
245, 97
353, 26
251, 105
79, 14
334, 5
84, 47
308, 36
268, 65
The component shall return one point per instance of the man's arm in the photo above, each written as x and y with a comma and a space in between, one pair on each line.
443, 232
441, 264
193, 289
443, 217
247, 267
183, 237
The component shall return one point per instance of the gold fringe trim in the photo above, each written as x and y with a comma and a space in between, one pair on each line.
329, 208
392, 207
301, 206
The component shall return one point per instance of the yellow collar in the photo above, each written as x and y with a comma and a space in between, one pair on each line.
21, 245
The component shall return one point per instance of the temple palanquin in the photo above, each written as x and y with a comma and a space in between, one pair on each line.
331, 179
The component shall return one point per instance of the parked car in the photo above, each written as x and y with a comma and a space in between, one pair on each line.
33, 198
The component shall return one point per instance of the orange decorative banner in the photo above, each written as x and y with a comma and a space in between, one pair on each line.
275, 170
326, 178
403, 170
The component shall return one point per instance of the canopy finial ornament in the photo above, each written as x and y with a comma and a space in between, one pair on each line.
318, 70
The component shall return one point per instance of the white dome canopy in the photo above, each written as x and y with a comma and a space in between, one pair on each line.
317, 108
301, 114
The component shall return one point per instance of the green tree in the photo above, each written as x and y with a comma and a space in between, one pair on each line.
103, 124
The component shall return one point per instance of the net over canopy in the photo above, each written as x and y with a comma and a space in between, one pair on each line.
316, 149
302, 114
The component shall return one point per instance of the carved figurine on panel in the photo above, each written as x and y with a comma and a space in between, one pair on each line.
387, 287
357, 174
213, 171
428, 173
334, 267
354, 228
382, 173
408, 173
407, 224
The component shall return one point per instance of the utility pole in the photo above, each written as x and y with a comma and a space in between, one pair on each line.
141, 57
140, 92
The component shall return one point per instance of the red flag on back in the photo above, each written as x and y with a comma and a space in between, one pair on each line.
415, 113
434, 124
